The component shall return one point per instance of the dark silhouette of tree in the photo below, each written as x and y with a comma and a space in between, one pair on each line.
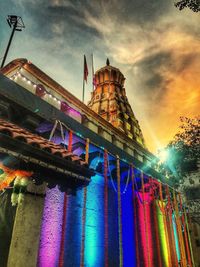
192, 4
188, 138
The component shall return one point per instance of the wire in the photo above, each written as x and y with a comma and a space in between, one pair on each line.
112, 180
138, 194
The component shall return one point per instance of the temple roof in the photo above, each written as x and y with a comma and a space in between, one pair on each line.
109, 100
27, 70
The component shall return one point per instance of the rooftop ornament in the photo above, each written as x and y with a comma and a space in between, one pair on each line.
108, 62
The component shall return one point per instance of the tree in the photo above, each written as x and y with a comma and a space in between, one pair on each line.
183, 150
188, 138
192, 4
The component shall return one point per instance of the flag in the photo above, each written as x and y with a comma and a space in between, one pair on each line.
85, 69
94, 81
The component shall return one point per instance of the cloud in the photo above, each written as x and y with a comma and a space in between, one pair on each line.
156, 46
161, 66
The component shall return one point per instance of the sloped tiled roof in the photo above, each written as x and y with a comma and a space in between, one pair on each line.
34, 140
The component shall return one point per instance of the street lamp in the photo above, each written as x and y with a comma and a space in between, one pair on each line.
17, 24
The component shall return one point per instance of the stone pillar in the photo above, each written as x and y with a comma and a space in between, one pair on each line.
26, 231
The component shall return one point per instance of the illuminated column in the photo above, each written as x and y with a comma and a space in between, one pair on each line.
26, 230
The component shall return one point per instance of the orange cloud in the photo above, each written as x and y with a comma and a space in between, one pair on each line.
181, 98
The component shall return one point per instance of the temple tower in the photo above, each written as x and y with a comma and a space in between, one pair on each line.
109, 100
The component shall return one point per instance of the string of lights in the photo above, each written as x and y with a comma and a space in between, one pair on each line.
18, 74
43, 91
112, 180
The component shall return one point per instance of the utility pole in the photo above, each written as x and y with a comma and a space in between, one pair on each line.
17, 24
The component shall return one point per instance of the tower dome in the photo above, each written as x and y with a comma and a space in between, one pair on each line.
109, 100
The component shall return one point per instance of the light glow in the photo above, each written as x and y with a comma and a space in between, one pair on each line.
176, 238
163, 155
51, 229
94, 228
162, 236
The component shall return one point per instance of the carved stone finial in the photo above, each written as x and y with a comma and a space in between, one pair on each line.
108, 62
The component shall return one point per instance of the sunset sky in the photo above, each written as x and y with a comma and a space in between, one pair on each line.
156, 47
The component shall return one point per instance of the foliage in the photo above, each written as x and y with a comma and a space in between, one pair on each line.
184, 150
187, 140
192, 4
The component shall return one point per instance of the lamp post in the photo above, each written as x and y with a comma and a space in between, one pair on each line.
17, 24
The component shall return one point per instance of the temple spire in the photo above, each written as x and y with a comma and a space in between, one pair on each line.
109, 100
108, 62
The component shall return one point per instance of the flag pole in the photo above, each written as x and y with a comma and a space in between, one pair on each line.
85, 75
83, 80
92, 73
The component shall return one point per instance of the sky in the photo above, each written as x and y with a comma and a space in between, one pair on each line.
156, 47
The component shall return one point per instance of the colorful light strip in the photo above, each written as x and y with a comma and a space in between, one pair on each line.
119, 213
142, 236
145, 204
83, 220
129, 246
94, 223
62, 244
145, 230
176, 238
163, 240
106, 208
51, 230
113, 244
156, 233
135, 217
73, 229
149, 229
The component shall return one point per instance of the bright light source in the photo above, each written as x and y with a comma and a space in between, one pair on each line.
163, 155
